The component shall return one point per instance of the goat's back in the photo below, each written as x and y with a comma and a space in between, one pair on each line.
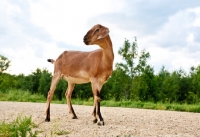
74, 61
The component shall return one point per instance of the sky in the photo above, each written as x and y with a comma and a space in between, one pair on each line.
31, 31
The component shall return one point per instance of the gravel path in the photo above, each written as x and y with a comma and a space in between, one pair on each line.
119, 122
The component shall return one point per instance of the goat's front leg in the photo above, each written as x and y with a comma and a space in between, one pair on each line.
100, 120
68, 98
54, 81
96, 112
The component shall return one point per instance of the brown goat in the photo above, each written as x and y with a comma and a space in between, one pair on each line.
78, 67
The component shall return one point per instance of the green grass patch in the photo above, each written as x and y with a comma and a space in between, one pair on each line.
142, 105
26, 96
21, 96
21, 127
61, 132
63, 101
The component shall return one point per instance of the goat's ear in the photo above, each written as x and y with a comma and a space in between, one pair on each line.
103, 32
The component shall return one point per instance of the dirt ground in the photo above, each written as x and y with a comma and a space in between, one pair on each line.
119, 122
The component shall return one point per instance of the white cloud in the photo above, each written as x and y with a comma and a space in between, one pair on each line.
33, 31
190, 38
67, 20
197, 20
174, 44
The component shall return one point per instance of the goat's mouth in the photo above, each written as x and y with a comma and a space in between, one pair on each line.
86, 41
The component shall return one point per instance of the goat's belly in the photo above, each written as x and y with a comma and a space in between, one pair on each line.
76, 80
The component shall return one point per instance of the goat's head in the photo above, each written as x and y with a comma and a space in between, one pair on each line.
95, 35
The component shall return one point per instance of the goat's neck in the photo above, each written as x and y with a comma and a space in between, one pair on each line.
106, 46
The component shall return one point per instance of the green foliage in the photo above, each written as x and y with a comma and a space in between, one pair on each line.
195, 76
108, 103
21, 95
144, 86
134, 70
114, 89
132, 80
44, 82
4, 63
35, 78
61, 89
141, 104
82, 91
21, 127
128, 53
7, 82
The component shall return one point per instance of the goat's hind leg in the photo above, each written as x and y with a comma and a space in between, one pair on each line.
54, 81
94, 113
68, 95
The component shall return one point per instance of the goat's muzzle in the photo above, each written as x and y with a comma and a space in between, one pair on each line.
85, 40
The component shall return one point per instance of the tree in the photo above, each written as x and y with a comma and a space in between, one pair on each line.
195, 82
44, 82
35, 78
160, 78
7, 82
129, 55
145, 86
4, 63
83, 91
169, 85
117, 86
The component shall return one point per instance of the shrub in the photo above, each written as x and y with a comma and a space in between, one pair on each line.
21, 127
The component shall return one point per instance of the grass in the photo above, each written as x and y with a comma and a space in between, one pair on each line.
144, 105
25, 96
21, 127
21, 96
61, 132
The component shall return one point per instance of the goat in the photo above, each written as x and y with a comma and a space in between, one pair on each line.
78, 67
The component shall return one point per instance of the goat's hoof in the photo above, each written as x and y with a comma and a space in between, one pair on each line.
47, 120
100, 123
74, 117
95, 120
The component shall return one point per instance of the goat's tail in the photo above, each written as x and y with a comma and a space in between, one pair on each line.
51, 60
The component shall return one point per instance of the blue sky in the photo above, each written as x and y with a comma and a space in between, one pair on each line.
33, 31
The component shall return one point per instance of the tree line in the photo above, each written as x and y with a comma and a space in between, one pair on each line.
133, 79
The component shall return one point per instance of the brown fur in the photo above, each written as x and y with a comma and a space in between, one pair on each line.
79, 67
